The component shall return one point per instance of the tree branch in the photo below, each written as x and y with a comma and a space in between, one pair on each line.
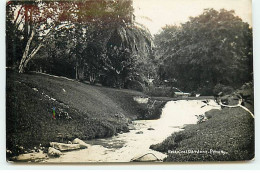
19, 12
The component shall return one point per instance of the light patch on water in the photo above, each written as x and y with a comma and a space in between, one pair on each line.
128, 145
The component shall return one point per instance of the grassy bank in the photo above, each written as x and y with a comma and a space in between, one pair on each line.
81, 110
229, 131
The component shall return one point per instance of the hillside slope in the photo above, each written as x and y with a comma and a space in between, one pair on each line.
81, 110
228, 135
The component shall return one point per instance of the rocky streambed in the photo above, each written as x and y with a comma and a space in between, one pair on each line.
143, 133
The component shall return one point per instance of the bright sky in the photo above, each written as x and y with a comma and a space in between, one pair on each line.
155, 14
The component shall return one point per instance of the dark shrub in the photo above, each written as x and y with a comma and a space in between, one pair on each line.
223, 88
162, 91
151, 110
206, 90
211, 113
135, 85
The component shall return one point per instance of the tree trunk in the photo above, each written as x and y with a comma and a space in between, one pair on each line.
81, 72
14, 52
76, 70
26, 25
92, 78
35, 50
25, 53
26, 56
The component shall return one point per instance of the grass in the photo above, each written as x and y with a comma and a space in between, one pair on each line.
82, 110
230, 130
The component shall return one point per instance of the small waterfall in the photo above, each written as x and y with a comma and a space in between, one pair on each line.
174, 115
179, 113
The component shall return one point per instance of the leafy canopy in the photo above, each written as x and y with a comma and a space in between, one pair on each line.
214, 47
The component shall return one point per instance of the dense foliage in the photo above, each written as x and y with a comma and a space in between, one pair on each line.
100, 41
212, 48
81, 39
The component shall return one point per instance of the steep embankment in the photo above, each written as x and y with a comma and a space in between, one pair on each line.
81, 110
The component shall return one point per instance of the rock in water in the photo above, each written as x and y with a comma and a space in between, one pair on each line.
81, 143
64, 147
53, 152
149, 157
31, 156
131, 127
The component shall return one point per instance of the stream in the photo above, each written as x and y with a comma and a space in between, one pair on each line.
124, 147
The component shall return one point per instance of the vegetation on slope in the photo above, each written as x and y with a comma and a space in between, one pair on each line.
228, 135
81, 110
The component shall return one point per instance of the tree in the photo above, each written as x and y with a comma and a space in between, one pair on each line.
14, 37
127, 47
109, 42
37, 20
214, 47
98, 38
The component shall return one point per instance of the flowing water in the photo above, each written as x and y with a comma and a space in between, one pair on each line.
124, 147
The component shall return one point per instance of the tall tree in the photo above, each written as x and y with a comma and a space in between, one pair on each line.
102, 38
214, 47
37, 20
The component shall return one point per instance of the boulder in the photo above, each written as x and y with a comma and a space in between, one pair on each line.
183, 126
131, 127
81, 143
31, 156
142, 100
53, 152
140, 132
64, 147
149, 157
150, 128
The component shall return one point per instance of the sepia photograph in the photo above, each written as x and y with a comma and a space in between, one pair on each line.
125, 81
